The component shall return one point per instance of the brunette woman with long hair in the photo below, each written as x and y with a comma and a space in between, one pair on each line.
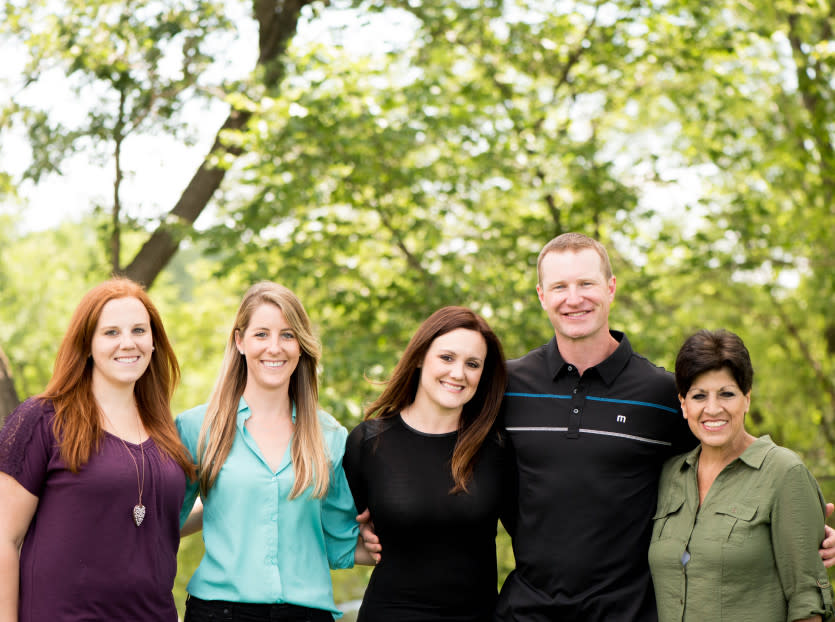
93, 474
431, 465
276, 510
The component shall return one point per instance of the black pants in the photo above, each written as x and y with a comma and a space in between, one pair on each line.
198, 610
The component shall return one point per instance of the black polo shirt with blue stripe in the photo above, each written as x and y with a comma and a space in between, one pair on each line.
589, 451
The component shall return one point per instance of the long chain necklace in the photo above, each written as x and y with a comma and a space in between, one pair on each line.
138, 509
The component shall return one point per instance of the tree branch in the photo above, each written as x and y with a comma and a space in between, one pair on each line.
277, 22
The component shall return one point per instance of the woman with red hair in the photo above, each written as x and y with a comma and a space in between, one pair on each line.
92, 472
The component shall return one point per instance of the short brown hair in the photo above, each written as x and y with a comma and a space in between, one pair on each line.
574, 242
712, 350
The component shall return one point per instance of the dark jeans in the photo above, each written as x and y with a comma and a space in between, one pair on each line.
198, 610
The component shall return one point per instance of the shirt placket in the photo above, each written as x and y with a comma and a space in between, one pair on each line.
578, 402
268, 512
274, 542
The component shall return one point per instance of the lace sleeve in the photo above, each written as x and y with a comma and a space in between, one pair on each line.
17, 436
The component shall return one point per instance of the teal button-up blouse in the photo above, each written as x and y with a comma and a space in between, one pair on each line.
261, 547
750, 552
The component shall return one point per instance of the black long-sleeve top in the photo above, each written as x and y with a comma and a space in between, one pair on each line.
439, 552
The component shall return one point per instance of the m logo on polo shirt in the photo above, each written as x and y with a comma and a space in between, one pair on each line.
621, 418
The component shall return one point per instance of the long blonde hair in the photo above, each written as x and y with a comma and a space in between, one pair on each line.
310, 460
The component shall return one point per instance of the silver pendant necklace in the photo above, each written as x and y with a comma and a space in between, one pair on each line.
138, 509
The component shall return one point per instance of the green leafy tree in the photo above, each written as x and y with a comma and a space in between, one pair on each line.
749, 89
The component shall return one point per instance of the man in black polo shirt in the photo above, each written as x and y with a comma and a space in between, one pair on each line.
591, 422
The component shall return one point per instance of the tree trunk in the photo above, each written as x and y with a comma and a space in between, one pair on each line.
277, 22
8, 395
164, 242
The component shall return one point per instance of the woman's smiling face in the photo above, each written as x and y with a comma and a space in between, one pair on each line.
715, 408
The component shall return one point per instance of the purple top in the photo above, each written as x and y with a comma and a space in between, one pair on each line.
83, 557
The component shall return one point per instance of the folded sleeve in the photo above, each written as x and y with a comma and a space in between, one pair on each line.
797, 529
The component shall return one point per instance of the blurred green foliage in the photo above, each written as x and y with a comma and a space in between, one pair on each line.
694, 139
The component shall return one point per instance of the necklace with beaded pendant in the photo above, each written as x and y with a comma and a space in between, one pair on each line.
138, 509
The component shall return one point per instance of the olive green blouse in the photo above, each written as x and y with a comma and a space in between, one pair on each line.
751, 551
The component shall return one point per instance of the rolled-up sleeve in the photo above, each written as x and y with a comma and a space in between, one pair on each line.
797, 529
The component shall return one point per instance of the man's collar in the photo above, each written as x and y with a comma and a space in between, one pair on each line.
608, 369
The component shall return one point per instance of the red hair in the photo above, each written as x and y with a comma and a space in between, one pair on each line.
78, 424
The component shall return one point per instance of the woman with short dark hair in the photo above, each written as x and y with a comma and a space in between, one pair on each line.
739, 519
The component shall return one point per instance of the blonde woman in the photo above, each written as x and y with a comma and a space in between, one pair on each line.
276, 512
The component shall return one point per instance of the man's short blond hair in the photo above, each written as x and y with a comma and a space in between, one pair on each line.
574, 242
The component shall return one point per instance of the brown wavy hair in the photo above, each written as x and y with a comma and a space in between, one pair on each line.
78, 420
478, 415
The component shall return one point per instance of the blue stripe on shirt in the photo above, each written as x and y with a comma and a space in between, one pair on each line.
597, 399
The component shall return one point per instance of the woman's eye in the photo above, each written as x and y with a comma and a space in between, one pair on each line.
288, 335
260, 334
446, 357
111, 332
474, 364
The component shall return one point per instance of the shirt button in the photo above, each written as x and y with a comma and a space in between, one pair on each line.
576, 410
570, 368
575, 391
